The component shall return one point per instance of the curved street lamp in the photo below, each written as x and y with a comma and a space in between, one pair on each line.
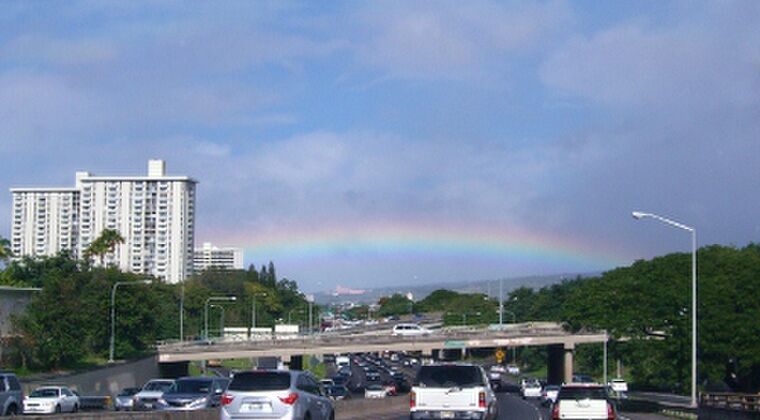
113, 313
641, 215
205, 311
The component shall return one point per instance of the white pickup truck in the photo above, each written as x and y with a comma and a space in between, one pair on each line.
583, 401
452, 391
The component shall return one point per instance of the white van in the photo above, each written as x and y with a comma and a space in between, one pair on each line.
409, 330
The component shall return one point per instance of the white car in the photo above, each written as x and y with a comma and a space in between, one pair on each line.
583, 401
151, 392
618, 385
408, 330
50, 400
513, 369
452, 391
375, 391
532, 389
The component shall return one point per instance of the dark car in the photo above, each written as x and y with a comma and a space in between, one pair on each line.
335, 392
193, 393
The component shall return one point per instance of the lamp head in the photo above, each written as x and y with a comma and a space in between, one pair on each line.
638, 215
233, 298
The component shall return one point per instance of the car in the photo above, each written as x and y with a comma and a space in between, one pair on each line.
193, 393
276, 394
531, 389
148, 396
513, 369
583, 401
452, 391
50, 400
124, 400
375, 391
336, 393
494, 376
390, 388
372, 376
11, 395
618, 385
409, 330
549, 394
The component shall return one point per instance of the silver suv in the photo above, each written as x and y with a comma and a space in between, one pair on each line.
276, 394
11, 395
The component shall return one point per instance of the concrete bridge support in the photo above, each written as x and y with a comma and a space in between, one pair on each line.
560, 363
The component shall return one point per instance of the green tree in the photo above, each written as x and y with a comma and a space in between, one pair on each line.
106, 242
5, 250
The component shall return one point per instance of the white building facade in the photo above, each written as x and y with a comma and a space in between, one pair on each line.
44, 221
155, 214
228, 258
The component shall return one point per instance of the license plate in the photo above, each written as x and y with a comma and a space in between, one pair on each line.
247, 407
447, 414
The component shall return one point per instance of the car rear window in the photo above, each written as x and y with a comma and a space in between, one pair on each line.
260, 381
449, 376
582, 393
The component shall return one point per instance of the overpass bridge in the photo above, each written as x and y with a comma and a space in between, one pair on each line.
561, 345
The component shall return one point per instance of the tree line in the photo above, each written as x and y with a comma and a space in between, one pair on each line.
67, 323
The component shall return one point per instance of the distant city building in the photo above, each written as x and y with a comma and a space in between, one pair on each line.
210, 256
155, 214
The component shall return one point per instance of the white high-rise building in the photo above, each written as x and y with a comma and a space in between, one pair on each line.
210, 256
44, 221
155, 214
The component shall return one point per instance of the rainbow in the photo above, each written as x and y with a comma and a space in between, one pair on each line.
394, 239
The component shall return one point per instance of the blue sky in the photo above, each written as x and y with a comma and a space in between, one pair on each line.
552, 118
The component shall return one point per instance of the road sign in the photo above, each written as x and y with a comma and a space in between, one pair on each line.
500, 355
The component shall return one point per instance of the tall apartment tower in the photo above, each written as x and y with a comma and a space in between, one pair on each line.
211, 256
155, 214
44, 221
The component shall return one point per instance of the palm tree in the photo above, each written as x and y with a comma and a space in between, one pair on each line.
5, 250
103, 244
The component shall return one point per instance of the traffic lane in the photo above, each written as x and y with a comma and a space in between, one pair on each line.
512, 406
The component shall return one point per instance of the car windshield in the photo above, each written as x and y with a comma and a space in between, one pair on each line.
375, 387
449, 376
582, 393
260, 381
191, 386
44, 393
158, 386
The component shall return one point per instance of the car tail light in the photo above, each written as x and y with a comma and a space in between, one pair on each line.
412, 399
610, 412
555, 412
227, 399
482, 399
290, 399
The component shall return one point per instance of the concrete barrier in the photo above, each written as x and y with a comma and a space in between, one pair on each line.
210, 414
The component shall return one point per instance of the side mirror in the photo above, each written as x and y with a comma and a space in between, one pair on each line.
218, 391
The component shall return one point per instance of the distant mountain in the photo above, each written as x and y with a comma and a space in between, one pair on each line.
490, 287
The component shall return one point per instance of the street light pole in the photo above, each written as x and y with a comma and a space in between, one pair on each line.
253, 311
205, 311
514, 321
501, 303
112, 344
182, 312
640, 215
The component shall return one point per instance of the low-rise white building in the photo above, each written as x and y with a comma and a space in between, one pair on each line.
229, 258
